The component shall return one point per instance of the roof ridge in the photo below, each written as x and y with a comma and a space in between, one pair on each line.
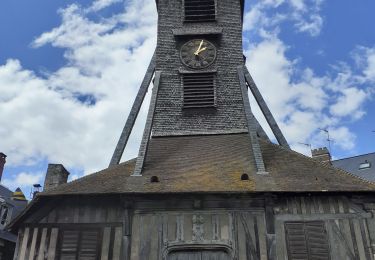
350, 157
324, 164
91, 175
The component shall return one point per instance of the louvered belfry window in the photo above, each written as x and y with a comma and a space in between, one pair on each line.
199, 90
307, 240
79, 244
200, 10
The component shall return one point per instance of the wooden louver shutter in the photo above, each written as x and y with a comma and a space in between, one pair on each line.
89, 245
79, 245
200, 10
199, 90
69, 245
307, 240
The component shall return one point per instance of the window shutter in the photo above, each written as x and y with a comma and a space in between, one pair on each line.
79, 244
317, 240
89, 245
69, 245
199, 90
307, 240
200, 10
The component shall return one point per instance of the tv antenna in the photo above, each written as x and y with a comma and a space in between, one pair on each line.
329, 140
308, 145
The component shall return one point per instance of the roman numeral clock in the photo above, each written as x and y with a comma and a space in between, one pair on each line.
198, 53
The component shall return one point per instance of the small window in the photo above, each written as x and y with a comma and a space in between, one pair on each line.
365, 165
200, 10
199, 90
3, 215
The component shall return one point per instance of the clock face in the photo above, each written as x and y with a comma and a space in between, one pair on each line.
198, 54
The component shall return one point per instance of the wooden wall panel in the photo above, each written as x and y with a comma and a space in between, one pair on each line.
345, 222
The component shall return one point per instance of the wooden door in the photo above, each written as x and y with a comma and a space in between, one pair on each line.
198, 255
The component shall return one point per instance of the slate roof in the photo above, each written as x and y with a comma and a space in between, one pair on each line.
214, 164
351, 165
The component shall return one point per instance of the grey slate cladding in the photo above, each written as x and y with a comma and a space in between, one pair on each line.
229, 114
352, 164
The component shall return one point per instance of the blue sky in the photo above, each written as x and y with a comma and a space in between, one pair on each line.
69, 71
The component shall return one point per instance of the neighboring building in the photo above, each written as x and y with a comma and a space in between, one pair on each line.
362, 166
11, 205
207, 183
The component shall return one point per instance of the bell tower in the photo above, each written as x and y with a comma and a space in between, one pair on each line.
200, 79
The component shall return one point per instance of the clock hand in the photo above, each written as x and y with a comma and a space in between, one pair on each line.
199, 48
203, 49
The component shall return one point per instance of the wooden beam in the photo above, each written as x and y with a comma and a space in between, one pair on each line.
123, 140
266, 111
330, 216
148, 127
257, 153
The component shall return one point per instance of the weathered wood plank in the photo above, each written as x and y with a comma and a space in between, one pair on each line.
25, 240
358, 236
172, 227
135, 237
188, 227
311, 217
117, 243
16, 250
180, 227
215, 227
241, 238
105, 243
52, 244
33, 244
154, 238
262, 238
42, 246
224, 227
280, 240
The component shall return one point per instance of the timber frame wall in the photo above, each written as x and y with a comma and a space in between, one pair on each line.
244, 227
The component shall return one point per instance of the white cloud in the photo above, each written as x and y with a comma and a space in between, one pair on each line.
270, 14
299, 99
101, 4
44, 117
349, 103
23, 179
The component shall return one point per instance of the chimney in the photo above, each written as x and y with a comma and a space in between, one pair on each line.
55, 176
321, 154
2, 163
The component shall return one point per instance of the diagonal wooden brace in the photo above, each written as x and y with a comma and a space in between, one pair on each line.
123, 140
251, 124
266, 112
148, 127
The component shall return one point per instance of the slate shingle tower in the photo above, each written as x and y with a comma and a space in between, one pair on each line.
207, 184
201, 82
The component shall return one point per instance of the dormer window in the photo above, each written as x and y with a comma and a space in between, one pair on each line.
3, 215
200, 10
365, 165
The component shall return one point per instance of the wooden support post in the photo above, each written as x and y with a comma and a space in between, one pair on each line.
148, 127
258, 157
116, 157
127, 233
266, 112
